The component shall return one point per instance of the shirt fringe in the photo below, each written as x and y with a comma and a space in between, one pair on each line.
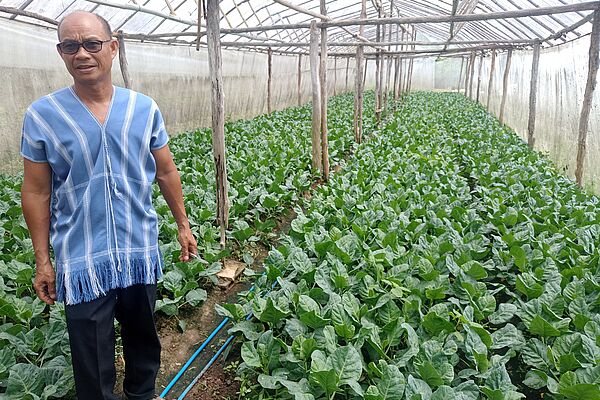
83, 285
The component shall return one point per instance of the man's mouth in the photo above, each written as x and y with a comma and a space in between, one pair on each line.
85, 67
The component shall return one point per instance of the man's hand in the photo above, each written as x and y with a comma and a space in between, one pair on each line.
45, 283
189, 247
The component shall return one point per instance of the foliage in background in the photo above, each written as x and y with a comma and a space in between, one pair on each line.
445, 261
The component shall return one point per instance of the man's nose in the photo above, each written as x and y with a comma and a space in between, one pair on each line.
81, 52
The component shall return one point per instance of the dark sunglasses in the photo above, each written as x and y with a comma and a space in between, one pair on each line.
72, 47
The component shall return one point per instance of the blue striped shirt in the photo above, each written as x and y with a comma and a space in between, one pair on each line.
103, 227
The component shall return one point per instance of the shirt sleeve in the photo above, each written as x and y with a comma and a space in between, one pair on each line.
33, 140
159, 138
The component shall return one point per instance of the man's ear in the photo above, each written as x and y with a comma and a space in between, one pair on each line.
114, 47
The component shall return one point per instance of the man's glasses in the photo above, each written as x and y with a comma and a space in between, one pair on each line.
72, 47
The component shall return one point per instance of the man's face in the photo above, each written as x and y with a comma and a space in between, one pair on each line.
86, 67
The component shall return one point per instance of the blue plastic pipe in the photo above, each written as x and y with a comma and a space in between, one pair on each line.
206, 367
197, 353
193, 357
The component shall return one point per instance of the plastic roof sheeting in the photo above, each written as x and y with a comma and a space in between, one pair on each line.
253, 13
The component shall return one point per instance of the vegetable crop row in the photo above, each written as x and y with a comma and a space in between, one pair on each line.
445, 261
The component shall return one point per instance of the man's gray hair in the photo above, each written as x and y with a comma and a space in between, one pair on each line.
103, 21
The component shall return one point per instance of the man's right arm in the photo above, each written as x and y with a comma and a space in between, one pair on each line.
35, 200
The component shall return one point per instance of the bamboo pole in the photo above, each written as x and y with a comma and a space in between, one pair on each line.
533, 95
468, 74
377, 80
358, 93
388, 73
335, 76
401, 73
359, 82
324, 97
505, 85
299, 80
491, 81
588, 97
411, 63
462, 63
123, 61
347, 66
200, 6
396, 76
479, 75
472, 73
316, 97
215, 64
269, 78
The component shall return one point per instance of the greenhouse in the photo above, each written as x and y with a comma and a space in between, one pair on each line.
300, 199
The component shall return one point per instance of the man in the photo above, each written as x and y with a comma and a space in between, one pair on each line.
91, 152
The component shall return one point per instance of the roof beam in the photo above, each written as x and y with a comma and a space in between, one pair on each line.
302, 10
16, 11
587, 6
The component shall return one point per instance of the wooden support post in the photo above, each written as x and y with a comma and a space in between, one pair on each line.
299, 80
467, 75
588, 97
491, 81
200, 6
335, 76
505, 85
269, 78
324, 97
347, 67
396, 76
401, 73
123, 60
473, 58
365, 71
411, 63
479, 75
359, 86
215, 64
316, 97
377, 80
462, 64
388, 74
533, 94
359, 81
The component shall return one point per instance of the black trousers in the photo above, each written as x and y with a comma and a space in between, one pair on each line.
92, 338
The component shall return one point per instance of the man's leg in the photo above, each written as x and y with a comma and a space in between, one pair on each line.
92, 339
141, 346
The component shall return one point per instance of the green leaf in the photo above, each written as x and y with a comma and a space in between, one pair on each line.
195, 297
527, 284
347, 363
24, 380
519, 256
392, 383
270, 313
508, 336
430, 375
250, 355
536, 379
539, 326
503, 314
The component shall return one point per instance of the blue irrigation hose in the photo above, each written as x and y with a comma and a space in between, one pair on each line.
196, 354
193, 357
206, 367
217, 354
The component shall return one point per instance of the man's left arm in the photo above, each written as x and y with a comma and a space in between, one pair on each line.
169, 182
